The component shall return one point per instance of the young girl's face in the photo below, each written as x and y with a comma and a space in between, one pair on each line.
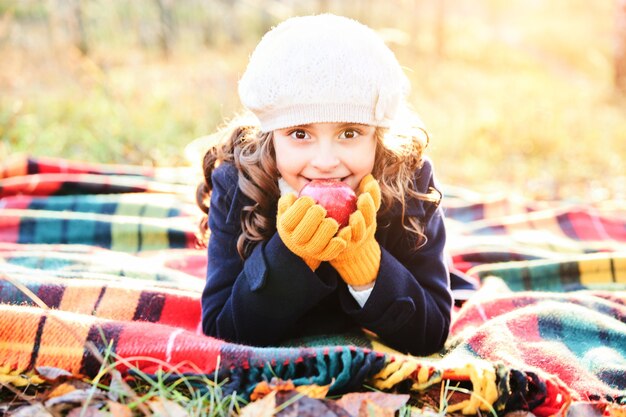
338, 151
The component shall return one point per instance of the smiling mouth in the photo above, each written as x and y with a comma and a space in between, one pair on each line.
341, 179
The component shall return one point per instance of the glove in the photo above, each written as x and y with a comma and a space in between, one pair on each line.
306, 231
359, 262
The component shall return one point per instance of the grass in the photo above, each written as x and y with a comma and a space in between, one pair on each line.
167, 392
192, 395
518, 98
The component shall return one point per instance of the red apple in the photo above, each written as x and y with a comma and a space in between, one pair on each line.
336, 197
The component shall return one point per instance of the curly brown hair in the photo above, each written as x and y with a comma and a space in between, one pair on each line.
251, 151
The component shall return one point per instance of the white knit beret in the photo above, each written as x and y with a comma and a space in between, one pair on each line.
322, 68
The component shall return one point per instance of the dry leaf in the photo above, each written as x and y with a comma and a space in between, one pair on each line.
352, 402
262, 408
335, 408
117, 386
371, 409
61, 389
52, 374
162, 407
119, 410
91, 411
34, 410
263, 388
77, 396
303, 406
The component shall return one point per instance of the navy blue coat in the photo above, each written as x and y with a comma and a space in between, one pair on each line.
273, 295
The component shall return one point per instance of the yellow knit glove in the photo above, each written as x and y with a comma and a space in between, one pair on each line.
359, 262
306, 231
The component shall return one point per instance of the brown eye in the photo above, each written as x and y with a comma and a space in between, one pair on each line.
349, 134
299, 134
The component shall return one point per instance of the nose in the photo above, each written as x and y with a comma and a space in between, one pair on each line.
326, 157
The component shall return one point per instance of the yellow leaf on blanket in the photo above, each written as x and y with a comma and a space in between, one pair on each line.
314, 391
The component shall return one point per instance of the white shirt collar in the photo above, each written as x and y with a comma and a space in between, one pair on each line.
285, 188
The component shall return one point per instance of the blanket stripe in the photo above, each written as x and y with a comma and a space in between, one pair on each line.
555, 340
84, 262
68, 184
131, 204
121, 233
112, 300
595, 270
578, 224
34, 337
23, 166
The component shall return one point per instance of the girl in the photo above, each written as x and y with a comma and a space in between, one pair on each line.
327, 96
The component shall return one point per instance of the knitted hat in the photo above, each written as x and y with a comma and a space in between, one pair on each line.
322, 68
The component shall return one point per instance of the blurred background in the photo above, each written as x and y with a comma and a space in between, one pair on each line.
525, 96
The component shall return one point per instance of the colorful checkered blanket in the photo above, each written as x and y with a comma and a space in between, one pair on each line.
101, 260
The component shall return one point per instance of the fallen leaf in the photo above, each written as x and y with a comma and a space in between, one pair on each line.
314, 391
52, 374
34, 410
77, 396
61, 389
369, 408
261, 408
302, 406
118, 386
336, 408
162, 407
352, 402
119, 410
263, 388
91, 411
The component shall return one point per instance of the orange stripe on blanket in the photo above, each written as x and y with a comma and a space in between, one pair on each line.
80, 299
63, 340
118, 303
17, 337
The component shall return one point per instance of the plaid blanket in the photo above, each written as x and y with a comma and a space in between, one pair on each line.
102, 258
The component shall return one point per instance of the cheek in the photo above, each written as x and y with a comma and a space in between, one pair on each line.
364, 157
369, 164
287, 159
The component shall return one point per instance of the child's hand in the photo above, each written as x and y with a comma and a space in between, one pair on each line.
306, 231
359, 262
